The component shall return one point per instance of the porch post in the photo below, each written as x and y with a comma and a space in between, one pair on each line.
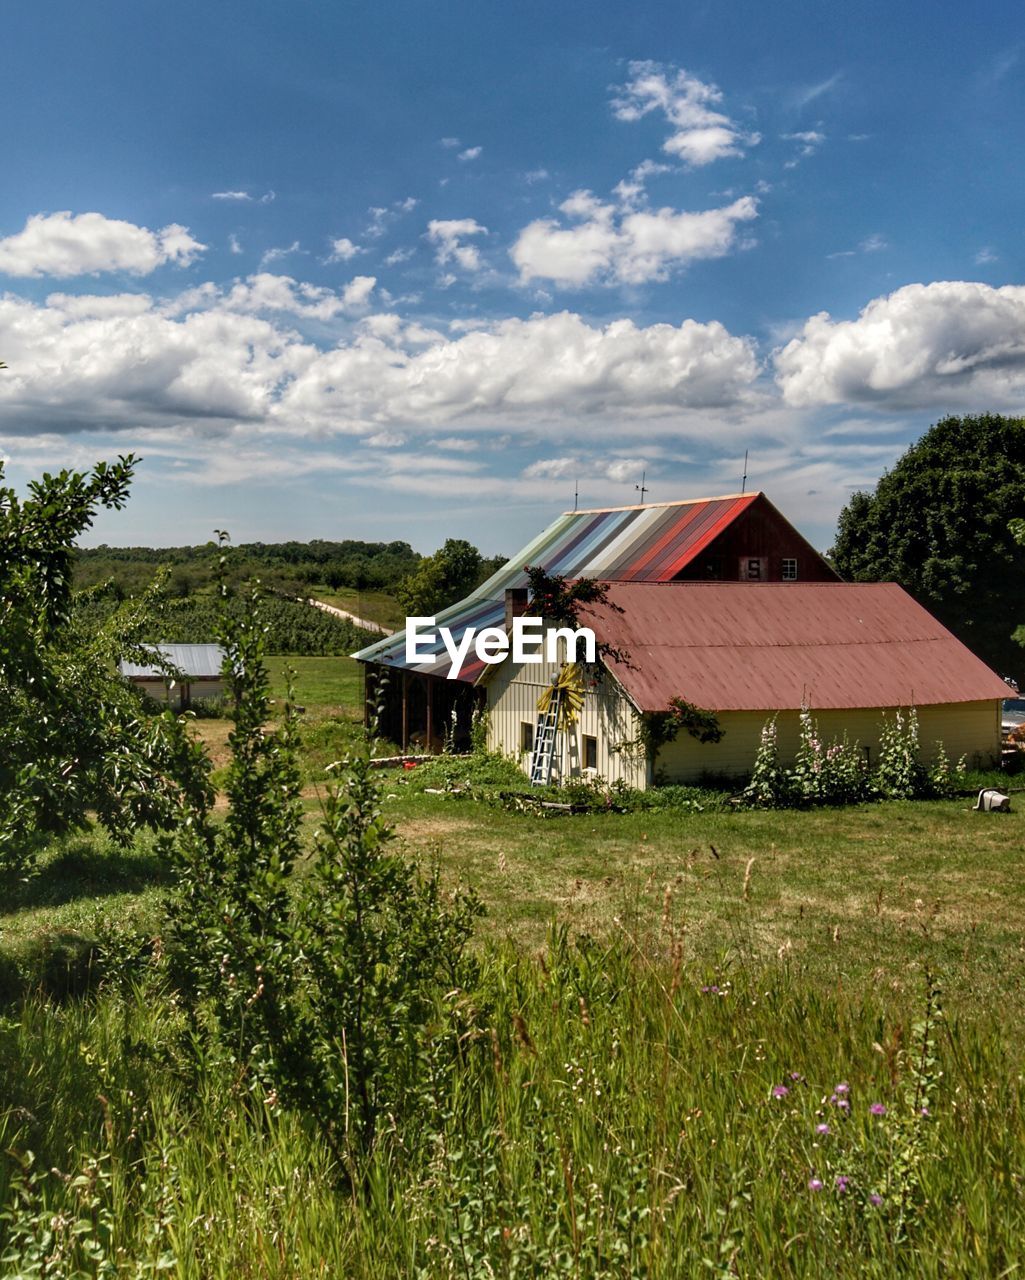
430, 715
405, 710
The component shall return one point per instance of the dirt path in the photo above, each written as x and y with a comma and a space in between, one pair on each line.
365, 623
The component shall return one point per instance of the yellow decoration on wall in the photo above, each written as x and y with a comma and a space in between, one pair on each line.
570, 685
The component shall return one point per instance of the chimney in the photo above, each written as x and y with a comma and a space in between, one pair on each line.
515, 604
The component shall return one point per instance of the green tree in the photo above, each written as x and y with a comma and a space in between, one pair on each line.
443, 579
74, 740
937, 523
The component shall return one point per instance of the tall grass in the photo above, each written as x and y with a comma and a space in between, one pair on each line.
615, 1113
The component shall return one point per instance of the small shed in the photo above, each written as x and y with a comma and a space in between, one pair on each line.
200, 667
853, 652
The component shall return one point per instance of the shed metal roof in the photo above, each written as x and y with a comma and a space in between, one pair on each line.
729, 646
650, 543
197, 661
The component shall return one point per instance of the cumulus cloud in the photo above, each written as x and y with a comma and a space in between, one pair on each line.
540, 369
447, 234
471, 153
700, 133
233, 243
343, 249
945, 343
65, 244
357, 292
219, 362
624, 245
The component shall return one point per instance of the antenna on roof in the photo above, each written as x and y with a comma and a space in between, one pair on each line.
743, 483
576, 493
642, 488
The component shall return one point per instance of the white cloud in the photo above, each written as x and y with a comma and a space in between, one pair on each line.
618, 470
398, 255
231, 195
63, 245
276, 254
471, 153
450, 142
230, 364
803, 97
542, 368
382, 216
946, 343
700, 134
611, 245
809, 141
357, 292
343, 249
984, 256
233, 243
447, 235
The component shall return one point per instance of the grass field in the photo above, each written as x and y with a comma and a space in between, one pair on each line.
700, 1053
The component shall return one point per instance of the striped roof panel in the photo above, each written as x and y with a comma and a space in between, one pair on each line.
626, 544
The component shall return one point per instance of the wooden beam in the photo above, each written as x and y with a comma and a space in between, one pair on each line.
430, 715
405, 710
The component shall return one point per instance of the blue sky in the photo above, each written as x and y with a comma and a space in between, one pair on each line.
415, 271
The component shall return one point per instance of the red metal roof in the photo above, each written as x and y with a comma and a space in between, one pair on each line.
741, 646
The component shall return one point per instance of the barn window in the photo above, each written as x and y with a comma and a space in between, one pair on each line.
590, 752
526, 736
789, 569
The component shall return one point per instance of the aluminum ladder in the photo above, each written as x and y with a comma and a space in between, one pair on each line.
544, 742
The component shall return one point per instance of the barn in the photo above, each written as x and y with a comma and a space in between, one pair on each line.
736, 537
720, 602
748, 652
199, 664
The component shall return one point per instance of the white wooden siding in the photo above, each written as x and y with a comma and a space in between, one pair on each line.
607, 716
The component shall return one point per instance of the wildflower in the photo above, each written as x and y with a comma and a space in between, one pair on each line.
779, 1091
822, 1128
877, 1109
841, 1183
924, 1111
842, 1088
814, 1184
875, 1199
841, 1104
710, 991
796, 1075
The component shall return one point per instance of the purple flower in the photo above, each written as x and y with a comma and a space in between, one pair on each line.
841, 1183
796, 1075
875, 1199
814, 1184
877, 1109
710, 991
842, 1103
924, 1111
779, 1091
822, 1128
842, 1088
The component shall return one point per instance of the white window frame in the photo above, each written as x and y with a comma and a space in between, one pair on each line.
788, 563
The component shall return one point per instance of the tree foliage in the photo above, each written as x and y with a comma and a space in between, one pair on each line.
937, 523
445, 578
334, 989
74, 741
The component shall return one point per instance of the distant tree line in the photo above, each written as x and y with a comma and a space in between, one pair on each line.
421, 584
